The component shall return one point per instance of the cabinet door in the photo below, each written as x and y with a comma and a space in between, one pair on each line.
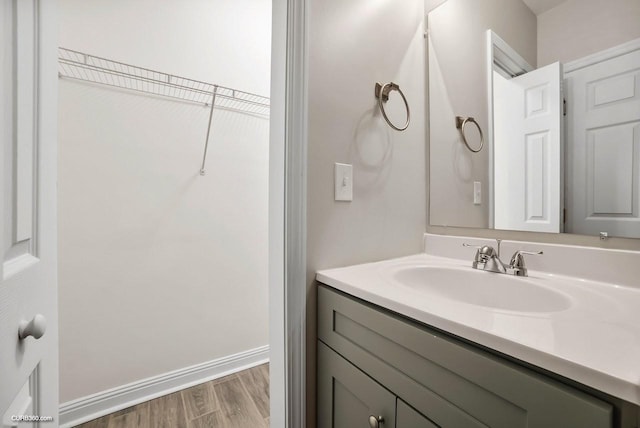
347, 397
407, 417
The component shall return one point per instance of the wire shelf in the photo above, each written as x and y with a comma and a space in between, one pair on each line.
81, 66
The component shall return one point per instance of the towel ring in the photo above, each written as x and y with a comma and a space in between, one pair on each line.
461, 122
382, 94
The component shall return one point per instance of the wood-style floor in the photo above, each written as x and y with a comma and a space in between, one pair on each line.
240, 400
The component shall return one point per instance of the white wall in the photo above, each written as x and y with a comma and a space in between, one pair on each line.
352, 45
578, 28
458, 87
161, 268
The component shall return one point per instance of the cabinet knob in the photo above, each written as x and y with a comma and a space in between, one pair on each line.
36, 328
375, 422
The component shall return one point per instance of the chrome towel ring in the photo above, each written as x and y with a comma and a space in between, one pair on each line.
461, 122
382, 94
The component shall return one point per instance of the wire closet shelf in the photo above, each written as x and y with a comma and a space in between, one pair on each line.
90, 68
81, 66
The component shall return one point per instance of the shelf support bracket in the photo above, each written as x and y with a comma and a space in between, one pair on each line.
206, 142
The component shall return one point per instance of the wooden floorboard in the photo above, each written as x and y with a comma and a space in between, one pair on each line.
256, 382
211, 420
237, 408
136, 417
236, 401
167, 412
199, 400
97, 423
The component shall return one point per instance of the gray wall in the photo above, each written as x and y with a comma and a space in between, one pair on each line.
458, 87
352, 45
578, 28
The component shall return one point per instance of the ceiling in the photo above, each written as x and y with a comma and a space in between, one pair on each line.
541, 6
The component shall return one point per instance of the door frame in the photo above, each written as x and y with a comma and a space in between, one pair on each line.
503, 58
601, 56
287, 200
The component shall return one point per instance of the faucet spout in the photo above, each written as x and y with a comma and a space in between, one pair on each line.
494, 264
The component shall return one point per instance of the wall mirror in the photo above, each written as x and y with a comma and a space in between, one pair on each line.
554, 88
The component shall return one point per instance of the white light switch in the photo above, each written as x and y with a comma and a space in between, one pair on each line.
343, 182
477, 193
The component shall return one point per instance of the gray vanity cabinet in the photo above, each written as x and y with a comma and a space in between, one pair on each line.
406, 417
352, 396
372, 360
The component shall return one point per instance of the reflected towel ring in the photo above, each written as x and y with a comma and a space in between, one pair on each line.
461, 122
382, 94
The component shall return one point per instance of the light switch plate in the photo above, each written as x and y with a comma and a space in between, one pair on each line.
477, 193
343, 180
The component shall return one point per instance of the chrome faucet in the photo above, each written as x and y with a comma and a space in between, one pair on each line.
487, 258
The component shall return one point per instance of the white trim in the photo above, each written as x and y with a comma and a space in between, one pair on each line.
287, 213
502, 52
517, 65
93, 406
295, 219
277, 332
601, 56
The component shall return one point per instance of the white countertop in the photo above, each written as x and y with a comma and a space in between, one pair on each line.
594, 341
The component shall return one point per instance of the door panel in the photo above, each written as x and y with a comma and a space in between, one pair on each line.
528, 151
25, 118
28, 129
24, 405
19, 171
603, 148
611, 168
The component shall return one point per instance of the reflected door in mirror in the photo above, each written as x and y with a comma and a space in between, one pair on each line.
528, 151
603, 156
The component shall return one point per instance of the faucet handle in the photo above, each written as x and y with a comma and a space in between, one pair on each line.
476, 258
464, 244
517, 261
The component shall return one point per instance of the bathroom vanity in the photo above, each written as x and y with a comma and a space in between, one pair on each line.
393, 355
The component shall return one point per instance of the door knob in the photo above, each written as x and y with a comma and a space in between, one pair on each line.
375, 422
36, 328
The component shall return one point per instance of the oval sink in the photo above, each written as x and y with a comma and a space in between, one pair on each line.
482, 288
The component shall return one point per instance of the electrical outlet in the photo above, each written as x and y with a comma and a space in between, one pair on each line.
343, 181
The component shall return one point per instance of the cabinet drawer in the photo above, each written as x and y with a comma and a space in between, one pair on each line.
454, 383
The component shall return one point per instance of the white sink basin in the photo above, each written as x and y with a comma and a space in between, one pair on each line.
481, 288
583, 329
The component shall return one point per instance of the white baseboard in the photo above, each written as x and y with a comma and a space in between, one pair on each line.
93, 406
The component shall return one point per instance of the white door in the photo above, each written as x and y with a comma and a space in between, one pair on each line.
528, 153
603, 148
28, 284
